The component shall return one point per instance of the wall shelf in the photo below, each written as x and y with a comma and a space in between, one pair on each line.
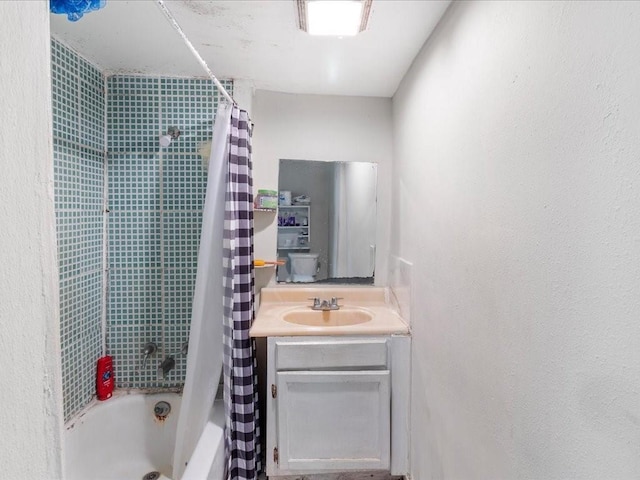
294, 237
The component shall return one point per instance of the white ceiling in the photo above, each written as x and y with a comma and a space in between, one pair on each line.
255, 40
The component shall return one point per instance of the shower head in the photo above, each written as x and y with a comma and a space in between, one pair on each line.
172, 134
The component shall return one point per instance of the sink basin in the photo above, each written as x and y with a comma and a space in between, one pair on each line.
332, 318
286, 312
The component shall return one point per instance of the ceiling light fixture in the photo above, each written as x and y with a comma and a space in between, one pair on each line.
333, 17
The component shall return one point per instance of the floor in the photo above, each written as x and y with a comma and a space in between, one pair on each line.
341, 476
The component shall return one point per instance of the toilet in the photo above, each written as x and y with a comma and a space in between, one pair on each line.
303, 266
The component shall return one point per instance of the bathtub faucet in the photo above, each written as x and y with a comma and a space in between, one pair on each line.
149, 349
166, 366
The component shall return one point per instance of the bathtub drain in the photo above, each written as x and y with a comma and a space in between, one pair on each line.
161, 410
151, 476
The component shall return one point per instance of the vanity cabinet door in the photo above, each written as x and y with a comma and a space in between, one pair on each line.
333, 420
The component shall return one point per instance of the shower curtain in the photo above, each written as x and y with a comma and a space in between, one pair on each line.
222, 311
240, 381
204, 359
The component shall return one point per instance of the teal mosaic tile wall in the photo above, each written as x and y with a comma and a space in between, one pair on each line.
155, 200
78, 103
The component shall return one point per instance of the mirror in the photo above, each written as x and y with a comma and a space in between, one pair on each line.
327, 221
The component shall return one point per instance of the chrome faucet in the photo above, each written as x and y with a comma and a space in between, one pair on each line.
149, 349
325, 305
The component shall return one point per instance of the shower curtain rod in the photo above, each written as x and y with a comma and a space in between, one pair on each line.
176, 26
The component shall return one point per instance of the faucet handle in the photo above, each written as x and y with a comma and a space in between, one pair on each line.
166, 366
316, 301
150, 348
334, 301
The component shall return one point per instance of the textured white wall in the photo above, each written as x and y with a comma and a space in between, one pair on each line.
323, 128
517, 198
30, 398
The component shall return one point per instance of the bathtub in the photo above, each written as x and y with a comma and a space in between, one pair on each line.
122, 439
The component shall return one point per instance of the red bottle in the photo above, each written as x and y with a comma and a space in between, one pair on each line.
104, 378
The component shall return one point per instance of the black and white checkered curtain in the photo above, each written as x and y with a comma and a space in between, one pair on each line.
240, 381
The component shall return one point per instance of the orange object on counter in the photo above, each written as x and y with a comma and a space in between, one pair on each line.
262, 263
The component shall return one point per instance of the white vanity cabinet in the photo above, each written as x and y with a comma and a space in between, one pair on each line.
329, 404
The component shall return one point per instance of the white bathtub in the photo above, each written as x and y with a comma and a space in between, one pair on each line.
121, 439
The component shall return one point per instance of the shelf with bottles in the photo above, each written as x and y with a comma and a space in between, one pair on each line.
293, 237
294, 227
293, 216
303, 229
287, 241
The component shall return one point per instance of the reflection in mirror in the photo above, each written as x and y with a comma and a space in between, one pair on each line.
327, 221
